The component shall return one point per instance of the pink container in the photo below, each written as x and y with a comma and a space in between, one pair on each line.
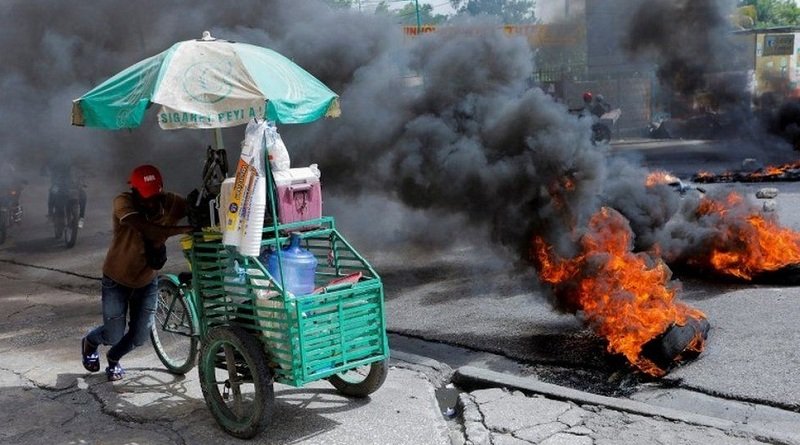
299, 195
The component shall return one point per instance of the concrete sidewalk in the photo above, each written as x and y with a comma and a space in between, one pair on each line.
528, 411
151, 406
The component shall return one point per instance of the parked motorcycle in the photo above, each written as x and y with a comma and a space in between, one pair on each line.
10, 209
66, 214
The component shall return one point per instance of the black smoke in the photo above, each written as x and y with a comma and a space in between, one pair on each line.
447, 126
687, 39
442, 139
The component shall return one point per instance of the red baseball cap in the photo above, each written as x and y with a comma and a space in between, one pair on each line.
146, 180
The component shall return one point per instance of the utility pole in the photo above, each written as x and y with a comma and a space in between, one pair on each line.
419, 26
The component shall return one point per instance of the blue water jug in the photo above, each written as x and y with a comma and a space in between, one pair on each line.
298, 265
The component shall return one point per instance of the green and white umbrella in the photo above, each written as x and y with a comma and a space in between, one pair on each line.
207, 83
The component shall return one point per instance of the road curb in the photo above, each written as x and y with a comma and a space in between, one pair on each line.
470, 377
417, 360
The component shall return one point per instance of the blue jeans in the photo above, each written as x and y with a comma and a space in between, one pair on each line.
118, 300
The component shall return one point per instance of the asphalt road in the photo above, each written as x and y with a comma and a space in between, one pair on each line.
466, 296
751, 354
49, 299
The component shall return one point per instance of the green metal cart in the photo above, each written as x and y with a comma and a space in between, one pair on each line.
251, 333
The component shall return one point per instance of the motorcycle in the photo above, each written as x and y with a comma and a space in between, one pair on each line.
66, 203
602, 125
601, 129
10, 209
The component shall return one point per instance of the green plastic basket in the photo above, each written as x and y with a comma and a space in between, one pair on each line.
306, 337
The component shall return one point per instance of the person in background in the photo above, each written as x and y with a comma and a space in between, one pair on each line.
64, 177
11, 183
595, 104
143, 219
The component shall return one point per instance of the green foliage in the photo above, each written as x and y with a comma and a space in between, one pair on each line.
407, 15
511, 11
769, 13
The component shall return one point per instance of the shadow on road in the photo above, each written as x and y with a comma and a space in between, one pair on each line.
154, 396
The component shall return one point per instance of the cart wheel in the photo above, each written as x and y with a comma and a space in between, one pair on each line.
236, 381
363, 381
173, 333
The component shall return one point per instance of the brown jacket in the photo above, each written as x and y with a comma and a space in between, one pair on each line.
125, 261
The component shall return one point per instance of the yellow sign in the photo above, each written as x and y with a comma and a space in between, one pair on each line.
538, 35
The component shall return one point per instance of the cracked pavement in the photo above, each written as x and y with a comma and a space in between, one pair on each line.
502, 417
47, 397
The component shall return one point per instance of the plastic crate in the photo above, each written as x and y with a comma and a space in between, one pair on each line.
307, 337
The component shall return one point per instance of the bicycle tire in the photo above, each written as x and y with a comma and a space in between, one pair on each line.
173, 333
248, 377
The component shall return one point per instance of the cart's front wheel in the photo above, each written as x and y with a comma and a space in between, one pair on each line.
173, 332
362, 381
236, 382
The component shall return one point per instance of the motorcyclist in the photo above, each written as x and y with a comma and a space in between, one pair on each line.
595, 104
64, 176
11, 185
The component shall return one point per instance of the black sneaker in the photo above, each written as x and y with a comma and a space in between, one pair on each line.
91, 361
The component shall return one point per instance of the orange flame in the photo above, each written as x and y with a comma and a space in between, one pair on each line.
660, 177
748, 242
770, 172
704, 174
624, 296
776, 170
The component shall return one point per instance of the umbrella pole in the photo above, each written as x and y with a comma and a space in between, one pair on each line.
218, 138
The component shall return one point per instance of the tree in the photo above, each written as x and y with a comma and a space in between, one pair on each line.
408, 15
382, 8
770, 13
511, 11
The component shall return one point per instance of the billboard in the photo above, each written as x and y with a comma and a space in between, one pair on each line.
778, 45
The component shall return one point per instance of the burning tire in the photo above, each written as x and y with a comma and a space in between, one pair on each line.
677, 344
